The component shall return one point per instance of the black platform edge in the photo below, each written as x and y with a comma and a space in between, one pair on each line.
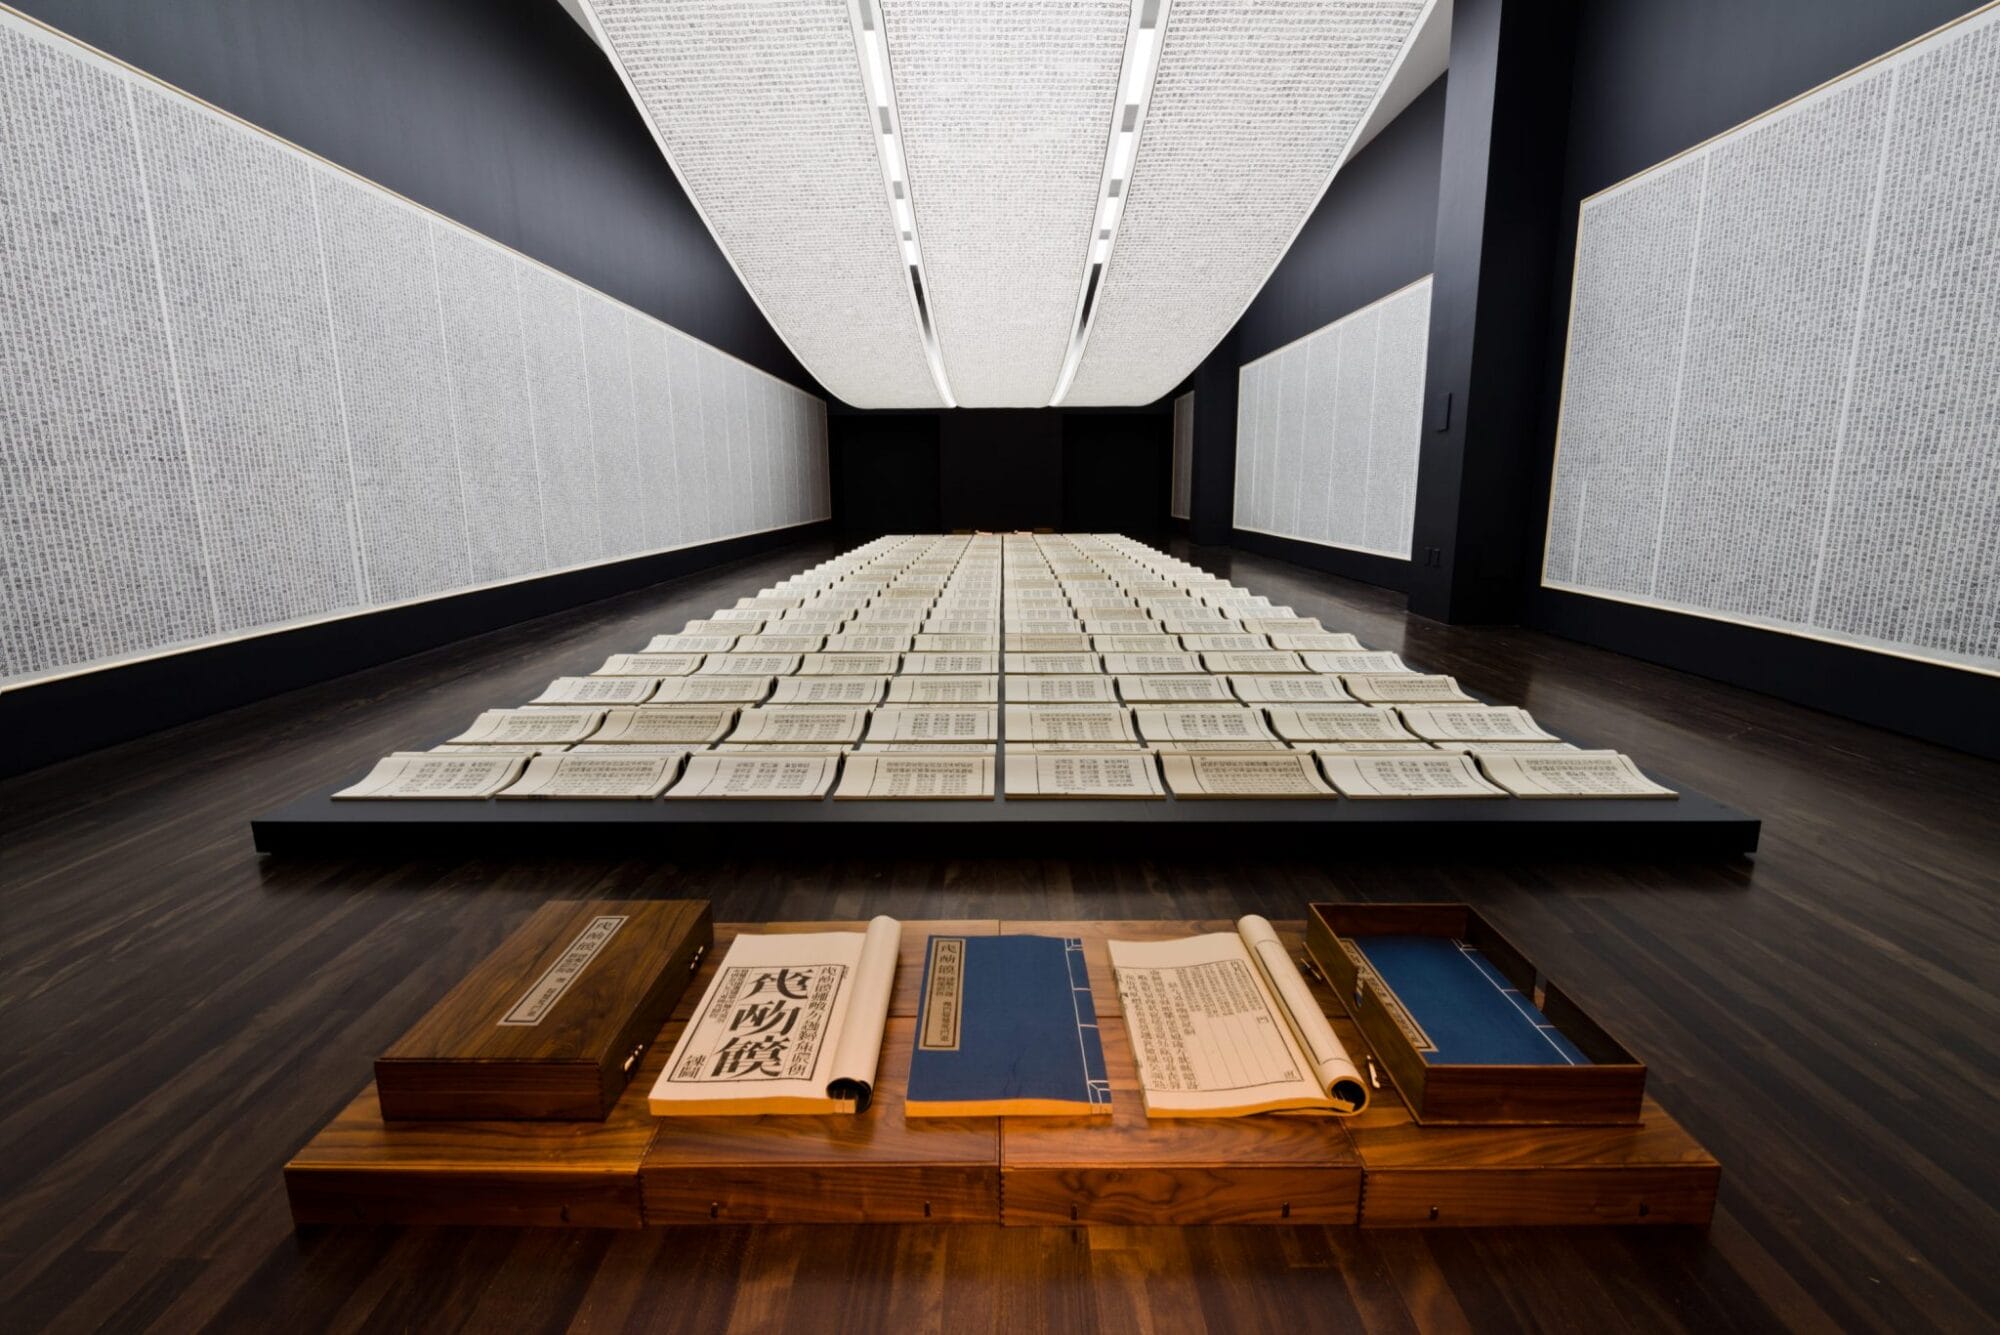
1690, 826
1385, 571
45, 722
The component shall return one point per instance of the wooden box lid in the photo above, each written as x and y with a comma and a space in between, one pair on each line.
1604, 1085
552, 1024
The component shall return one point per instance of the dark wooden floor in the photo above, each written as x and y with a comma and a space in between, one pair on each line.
177, 1016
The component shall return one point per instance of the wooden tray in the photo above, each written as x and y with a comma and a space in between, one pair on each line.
1379, 1169
1609, 1090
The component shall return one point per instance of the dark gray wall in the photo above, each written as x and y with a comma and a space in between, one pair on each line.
500, 114
1651, 78
1091, 470
1373, 232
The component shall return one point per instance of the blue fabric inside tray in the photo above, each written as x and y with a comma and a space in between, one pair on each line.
1465, 1007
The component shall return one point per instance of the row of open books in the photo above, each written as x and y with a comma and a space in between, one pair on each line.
1222, 1025
620, 684
1106, 669
1257, 726
776, 773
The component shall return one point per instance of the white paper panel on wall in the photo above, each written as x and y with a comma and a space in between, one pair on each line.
621, 502
492, 422
1327, 429
241, 389
656, 444
99, 524
559, 415
1182, 504
1778, 403
395, 396
1252, 108
240, 280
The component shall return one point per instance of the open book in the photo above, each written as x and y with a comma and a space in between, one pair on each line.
422, 774
790, 1024
595, 775
1224, 1025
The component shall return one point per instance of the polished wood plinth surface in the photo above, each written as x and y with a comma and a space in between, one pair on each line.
180, 1018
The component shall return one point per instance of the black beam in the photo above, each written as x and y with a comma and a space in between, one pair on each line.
1499, 202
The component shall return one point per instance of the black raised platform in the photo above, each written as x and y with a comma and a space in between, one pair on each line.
1691, 825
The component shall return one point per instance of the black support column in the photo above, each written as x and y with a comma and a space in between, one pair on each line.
1212, 492
1499, 197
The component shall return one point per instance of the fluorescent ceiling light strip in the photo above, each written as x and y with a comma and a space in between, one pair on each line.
1128, 119
871, 44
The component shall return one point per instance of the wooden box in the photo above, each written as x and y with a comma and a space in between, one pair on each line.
552, 1025
1606, 1088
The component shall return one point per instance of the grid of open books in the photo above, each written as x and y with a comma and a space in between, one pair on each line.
1065, 666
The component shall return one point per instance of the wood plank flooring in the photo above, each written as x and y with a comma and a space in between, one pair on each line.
177, 1016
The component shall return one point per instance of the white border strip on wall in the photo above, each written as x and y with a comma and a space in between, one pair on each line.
1940, 658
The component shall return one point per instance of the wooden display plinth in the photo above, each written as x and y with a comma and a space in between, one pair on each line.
1472, 1177
875, 1167
362, 1170
1378, 1169
1125, 1169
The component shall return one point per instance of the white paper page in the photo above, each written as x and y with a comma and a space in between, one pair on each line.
595, 775
915, 778
767, 1026
655, 723
597, 691
1412, 775
859, 1049
649, 665
749, 775
1568, 774
1205, 1028
429, 775
1333, 1068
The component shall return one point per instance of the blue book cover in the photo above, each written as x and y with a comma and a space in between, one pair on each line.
1460, 1009
1006, 1026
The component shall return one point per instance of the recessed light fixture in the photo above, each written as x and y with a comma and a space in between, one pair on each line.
1135, 90
1105, 183
872, 46
762, 113
1252, 112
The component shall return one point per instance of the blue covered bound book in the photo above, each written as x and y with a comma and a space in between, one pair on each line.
1006, 1027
